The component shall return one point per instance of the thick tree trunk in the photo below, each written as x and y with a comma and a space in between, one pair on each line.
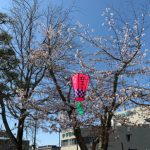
105, 131
8, 131
105, 140
94, 147
80, 139
94, 144
17, 142
20, 130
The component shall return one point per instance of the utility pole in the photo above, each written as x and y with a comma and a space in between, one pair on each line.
35, 131
59, 139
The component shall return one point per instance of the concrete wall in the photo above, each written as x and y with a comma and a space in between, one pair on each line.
139, 138
5, 144
124, 138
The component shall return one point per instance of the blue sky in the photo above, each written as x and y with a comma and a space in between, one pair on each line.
87, 12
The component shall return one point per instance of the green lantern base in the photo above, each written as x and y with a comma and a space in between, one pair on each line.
79, 108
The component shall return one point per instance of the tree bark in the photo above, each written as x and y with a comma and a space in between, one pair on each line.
105, 131
94, 143
20, 129
8, 130
80, 139
105, 140
17, 142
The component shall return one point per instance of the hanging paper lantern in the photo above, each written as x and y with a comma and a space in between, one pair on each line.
80, 84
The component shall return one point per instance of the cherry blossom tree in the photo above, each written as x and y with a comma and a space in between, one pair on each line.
118, 70
59, 46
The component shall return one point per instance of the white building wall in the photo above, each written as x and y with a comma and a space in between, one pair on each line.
139, 132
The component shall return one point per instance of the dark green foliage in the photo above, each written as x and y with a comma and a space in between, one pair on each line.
5, 38
3, 18
8, 60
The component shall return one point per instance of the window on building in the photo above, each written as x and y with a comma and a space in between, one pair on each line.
70, 134
65, 142
67, 134
128, 136
73, 141
63, 135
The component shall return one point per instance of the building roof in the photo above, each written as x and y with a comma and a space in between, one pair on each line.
134, 116
47, 146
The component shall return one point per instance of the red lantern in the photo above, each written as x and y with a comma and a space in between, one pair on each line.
80, 84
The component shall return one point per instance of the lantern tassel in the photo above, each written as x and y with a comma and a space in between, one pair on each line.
79, 108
